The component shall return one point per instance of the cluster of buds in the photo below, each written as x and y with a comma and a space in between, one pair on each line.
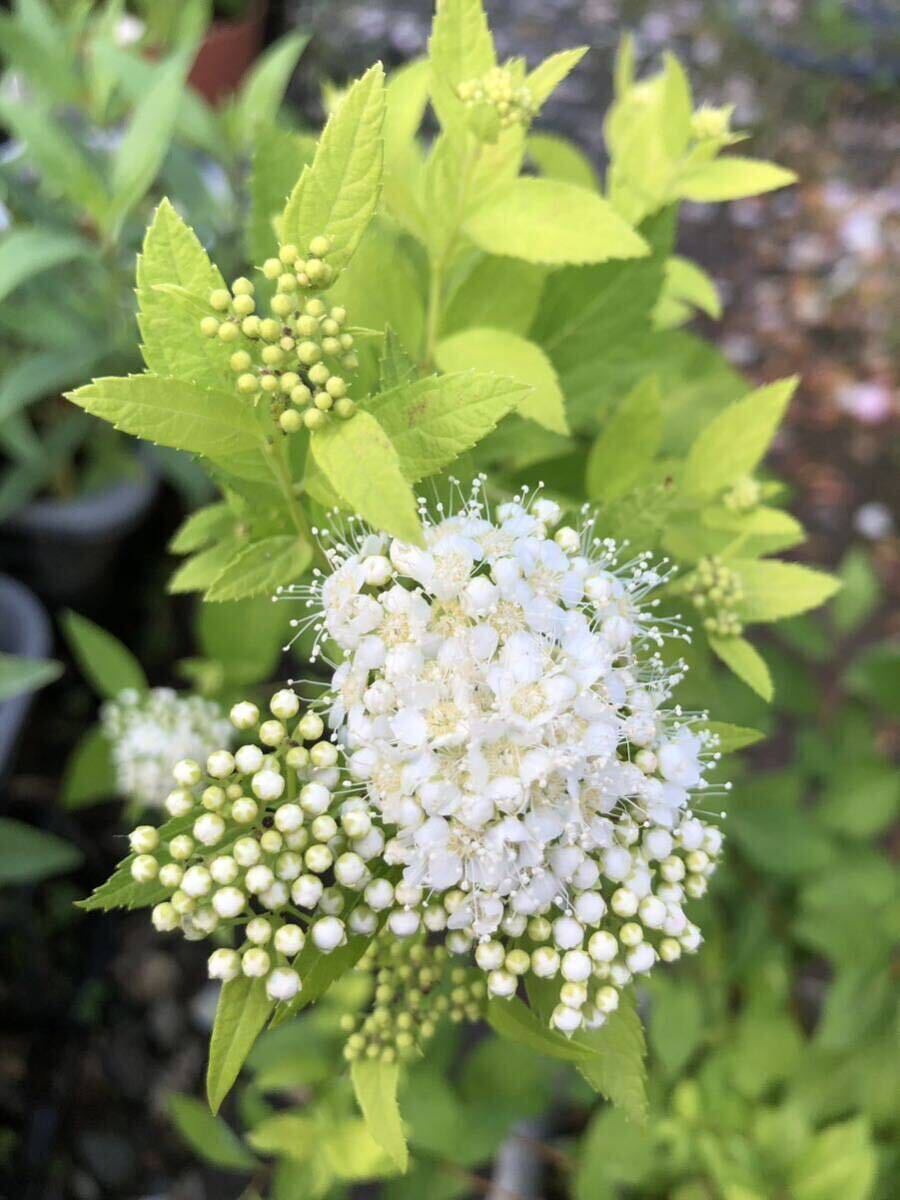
295, 356
744, 496
257, 853
709, 123
716, 591
641, 923
413, 989
499, 90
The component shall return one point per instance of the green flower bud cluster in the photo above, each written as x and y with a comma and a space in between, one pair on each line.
254, 840
715, 589
709, 123
299, 356
413, 989
643, 923
498, 89
744, 496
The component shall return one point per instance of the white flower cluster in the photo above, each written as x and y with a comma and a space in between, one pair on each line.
505, 711
151, 731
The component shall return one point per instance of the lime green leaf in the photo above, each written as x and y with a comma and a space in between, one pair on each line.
732, 737
375, 1084
733, 444
860, 592
89, 775
338, 194
406, 95
198, 572
263, 87
279, 156
244, 637
28, 855
381, 286
24, 253
613, 1151
677, 1023
201, 527
731, 178
558, 158
171, 412
516, 1021
241, 1015
143, 148
208, 1135
352, 1152
546, 78
170, 329
517, 358
434, 420
628, 444
773, 590
746, 662
361, 464
261, 568
687, 287
289, 1135
839, 1161
396, 367
460, 48
66, 171
761, 531
18, 675
544, 220
108, 665
615, 1065
502, 293
121, 891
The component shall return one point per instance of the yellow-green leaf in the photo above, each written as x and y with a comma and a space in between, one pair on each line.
558, 158
746, 662
337, 195
545, 220
484, 349
375, 1084
361, 464
261, 567
732, 177
547, 77
460, 48
241, 1015
733, 444
773, 590
171, 412
628, 444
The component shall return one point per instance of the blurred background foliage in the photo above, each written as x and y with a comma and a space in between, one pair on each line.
773, 1055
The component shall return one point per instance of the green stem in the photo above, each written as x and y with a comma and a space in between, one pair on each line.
438, 263
433, 327
274, 454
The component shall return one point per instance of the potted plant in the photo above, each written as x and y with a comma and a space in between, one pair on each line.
25, 643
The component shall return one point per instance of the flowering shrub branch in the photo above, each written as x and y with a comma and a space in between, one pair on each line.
508, 779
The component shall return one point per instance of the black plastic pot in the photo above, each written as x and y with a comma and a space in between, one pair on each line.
62, 548
24, 631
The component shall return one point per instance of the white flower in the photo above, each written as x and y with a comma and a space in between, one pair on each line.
507, 718
152, 732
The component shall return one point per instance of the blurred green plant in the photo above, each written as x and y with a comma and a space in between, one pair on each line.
99, 130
